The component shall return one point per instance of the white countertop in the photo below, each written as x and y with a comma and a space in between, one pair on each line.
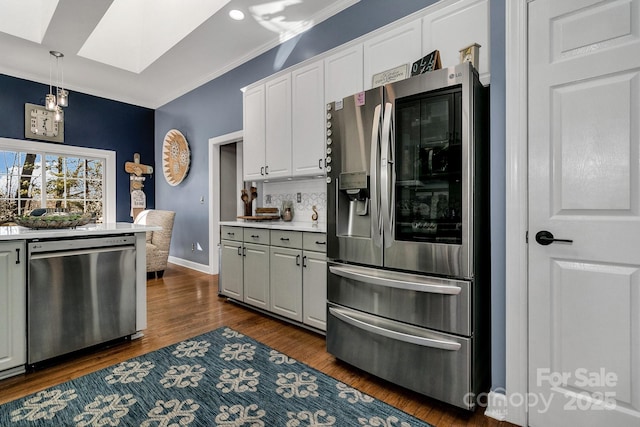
279, 225
23, 233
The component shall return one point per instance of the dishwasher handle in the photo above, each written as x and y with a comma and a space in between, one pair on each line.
44, 255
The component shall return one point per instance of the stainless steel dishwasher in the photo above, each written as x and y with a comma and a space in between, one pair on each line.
81, 292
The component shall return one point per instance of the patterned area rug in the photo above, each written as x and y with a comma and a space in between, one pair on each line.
221, 378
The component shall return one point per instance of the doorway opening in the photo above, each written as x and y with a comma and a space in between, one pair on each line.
225, 177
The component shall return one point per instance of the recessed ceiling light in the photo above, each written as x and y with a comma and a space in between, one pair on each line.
236, 14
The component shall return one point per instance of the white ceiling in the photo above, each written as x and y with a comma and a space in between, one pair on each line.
146, 52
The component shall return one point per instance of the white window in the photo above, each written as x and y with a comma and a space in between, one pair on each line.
40, 175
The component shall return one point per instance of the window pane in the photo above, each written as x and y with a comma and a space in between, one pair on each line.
94, 169
19, 182
74, 189
74, 167
94, 190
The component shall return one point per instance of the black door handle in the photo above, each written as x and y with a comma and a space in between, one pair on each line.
545, 238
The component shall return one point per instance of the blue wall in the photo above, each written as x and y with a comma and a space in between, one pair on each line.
91, 122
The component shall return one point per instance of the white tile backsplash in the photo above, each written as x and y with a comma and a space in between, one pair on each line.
313, 192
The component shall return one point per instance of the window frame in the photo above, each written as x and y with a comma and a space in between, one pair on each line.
108, 156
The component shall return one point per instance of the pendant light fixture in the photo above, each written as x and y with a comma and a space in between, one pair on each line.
55, 102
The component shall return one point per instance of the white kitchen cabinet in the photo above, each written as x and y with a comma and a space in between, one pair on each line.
314, 289
253, 159
343, 72
231, 275
278, 127
474, 18
286, 282
308, 119
267, 130
13, 307
398, 46
256, 275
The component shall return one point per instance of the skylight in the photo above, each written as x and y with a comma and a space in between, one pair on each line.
133, 34
27, 19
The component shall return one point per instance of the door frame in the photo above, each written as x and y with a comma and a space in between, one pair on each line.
516, 274
214, 182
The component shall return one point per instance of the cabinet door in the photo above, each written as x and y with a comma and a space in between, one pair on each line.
278, 127
437, 34
308, 120
396, 47
343, 74
286, 282
314, 289
13, 305
253, 159
231, 274
256, 275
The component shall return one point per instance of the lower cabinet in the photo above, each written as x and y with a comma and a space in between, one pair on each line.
231, 276
13, 306
314, 289
285, 273
256, 275
286, 282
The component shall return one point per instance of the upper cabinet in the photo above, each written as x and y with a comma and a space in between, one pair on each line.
267, 130
343, 74
253, 161
278, 127
308, 120
284, 116
470, 19
398, 46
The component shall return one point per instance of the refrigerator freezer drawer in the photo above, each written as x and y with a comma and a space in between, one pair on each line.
431, 302
434, 364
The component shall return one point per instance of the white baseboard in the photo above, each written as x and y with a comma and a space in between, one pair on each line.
190, 264
496, 406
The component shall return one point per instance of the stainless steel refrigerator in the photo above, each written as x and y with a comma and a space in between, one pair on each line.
408, 233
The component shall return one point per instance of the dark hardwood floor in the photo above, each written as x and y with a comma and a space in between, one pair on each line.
185, 303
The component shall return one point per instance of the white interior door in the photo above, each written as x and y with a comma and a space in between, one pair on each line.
584, 161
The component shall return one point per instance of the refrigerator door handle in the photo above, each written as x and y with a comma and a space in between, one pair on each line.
386, 175
398, 336
406, 282
374, 196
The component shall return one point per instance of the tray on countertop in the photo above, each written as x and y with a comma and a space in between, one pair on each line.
260, 217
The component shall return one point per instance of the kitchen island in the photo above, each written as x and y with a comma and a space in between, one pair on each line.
88, 256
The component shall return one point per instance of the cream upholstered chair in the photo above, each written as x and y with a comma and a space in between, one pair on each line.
158, 242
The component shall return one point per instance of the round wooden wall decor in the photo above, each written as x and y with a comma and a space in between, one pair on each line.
175, 157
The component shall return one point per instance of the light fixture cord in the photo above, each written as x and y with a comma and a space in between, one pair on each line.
50, 83
57, 76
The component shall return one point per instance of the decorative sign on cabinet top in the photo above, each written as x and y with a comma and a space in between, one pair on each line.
393, 75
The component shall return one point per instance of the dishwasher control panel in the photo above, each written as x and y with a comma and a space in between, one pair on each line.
69, 244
